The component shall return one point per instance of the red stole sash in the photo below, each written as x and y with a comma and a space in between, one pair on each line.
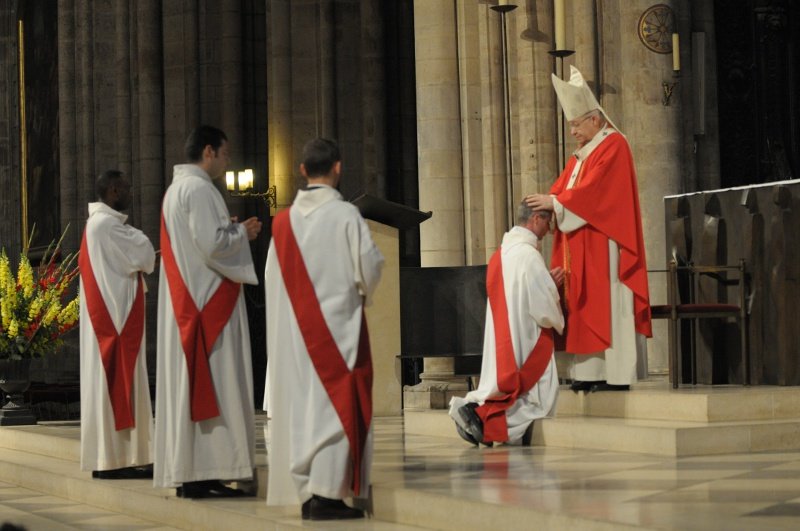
350, 392
118, 351
511, 381
199, 329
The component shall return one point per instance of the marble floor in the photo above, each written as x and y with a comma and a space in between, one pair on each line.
416, 476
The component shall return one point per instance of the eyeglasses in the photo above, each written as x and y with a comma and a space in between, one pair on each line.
574, 124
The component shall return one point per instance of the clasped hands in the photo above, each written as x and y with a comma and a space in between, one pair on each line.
251, 225
557, 274
545, 202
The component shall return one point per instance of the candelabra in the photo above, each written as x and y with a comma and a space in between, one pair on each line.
240, 184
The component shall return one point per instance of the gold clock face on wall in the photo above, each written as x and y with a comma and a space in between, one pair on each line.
656, 26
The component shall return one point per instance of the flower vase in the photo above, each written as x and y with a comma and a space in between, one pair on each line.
14, 381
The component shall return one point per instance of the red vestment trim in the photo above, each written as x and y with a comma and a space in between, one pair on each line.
118, 351
350, 392
607, 197
199, 329
511, 381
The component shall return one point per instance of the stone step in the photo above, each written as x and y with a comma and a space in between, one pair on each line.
679, 424
455, 512
658, 401
666, 437
45, 458
62, 478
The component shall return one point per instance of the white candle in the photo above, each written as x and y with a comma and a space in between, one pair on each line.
676, 52
248, 176
230, 184
560, 25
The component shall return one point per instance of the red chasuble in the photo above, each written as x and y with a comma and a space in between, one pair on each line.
606, 195
118, 351
199, 329
350, 392
511, 380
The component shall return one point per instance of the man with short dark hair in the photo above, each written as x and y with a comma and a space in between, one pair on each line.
116, 414
519, 380
204, 382
322, 268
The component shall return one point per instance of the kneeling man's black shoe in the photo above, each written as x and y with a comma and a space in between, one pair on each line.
464, 435
305, 509
321, 508
208, 489
578, 386
133, 472
473, 423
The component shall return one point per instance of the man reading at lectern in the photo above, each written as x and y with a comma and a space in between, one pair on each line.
598, 241
322, 268
204, 433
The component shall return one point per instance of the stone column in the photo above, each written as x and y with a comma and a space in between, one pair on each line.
67, 115
634, 75
538, 109
150, 124
10, 178
439, 133
279, 102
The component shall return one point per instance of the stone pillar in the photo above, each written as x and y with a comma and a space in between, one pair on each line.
181, 84
10, 178
230, 82
439, 133
279, 102
67, 115
149, 143
538, 109
634, 75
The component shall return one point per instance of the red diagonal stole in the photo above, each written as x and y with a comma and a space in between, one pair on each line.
350, 392
511, 381
199, 329
118, 351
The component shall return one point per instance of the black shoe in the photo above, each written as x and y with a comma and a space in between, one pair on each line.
208, 489
464, 435
474, 424
578, 386
133, 472
603, 386
527, 437
320, 508
305, 509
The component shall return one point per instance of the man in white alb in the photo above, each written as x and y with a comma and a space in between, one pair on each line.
519, 380
204, 383
116, 414
321, 269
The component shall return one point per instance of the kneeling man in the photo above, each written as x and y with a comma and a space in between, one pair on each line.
519, 381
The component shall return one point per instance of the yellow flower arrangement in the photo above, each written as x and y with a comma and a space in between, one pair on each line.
33, 314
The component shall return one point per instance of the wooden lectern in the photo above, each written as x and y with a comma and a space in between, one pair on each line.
386, 219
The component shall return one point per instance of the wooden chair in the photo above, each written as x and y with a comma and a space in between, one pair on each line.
677, 309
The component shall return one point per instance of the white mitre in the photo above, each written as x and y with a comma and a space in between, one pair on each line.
576, 97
